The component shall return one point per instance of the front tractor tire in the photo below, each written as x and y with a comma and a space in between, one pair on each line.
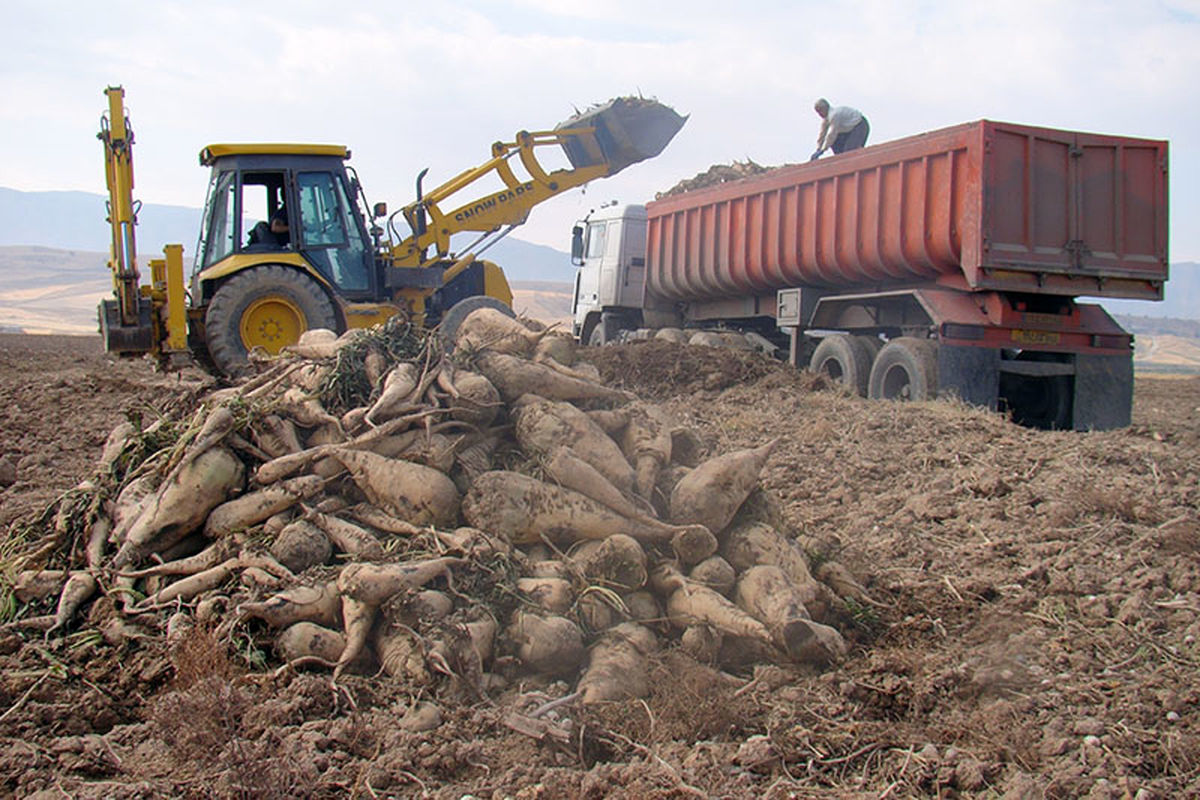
266, 307
448, 328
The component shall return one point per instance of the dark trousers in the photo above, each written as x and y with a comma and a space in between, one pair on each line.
852, 139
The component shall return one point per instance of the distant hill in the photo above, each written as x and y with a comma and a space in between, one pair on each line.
544, 301
1164, 344
43, 290
76, 221
1159, 326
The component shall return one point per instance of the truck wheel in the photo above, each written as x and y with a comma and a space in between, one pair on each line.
873, 344
845, 359
905, 369
455, 315
267, 307
1038, 402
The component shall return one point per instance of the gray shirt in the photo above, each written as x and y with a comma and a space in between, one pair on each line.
839, 120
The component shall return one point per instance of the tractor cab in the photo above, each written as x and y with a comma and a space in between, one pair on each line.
284, 247
285, 203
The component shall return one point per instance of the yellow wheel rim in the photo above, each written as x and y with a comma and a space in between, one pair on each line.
271, 323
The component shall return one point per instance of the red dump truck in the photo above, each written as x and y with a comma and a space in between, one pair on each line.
943, 263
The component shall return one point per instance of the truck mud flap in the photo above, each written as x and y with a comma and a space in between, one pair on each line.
970, 373
1103, 392
627, 130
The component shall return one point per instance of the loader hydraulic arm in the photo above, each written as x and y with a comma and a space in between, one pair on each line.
598, 143
510, 206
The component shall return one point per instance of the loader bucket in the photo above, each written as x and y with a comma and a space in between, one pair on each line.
626, 130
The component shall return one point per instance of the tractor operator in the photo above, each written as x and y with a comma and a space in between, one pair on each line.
272, 234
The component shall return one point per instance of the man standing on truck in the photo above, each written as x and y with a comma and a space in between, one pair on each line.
842, 128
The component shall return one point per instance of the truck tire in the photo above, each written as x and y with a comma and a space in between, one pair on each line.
845, 359
905, 369
1046, 403
267, 307
873, 344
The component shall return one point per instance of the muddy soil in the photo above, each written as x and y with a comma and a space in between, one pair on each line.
1035, 605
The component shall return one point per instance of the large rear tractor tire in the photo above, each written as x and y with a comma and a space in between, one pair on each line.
905, 369
266, 307
845, 359
455, 315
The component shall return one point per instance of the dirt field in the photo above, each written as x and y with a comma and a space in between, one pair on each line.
1033, 630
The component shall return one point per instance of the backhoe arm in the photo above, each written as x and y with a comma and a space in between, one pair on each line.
138, 319
117, 137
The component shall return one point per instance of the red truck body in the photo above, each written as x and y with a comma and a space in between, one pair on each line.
980, 206
943, 263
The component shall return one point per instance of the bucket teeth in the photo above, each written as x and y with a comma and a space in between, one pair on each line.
626, 130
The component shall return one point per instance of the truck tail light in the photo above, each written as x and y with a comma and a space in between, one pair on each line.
1111, 341
952, 330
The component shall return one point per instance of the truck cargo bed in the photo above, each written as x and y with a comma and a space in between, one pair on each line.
980, 206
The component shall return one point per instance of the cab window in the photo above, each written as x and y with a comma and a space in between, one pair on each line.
264, 213
220, 230
329, 236
596, 239
320, 215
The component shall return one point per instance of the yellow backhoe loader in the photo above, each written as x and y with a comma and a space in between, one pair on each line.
287, 242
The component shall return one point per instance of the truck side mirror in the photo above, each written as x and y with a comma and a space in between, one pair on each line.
380, 210
577, 245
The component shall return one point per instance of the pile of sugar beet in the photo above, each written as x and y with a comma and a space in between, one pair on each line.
465, 513
715, 176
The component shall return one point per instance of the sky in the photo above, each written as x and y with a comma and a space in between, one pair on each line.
410, 86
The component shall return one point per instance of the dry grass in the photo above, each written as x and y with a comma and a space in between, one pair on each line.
201, 713
207, 723
688, 702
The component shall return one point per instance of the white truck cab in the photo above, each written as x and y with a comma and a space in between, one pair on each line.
609, 248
